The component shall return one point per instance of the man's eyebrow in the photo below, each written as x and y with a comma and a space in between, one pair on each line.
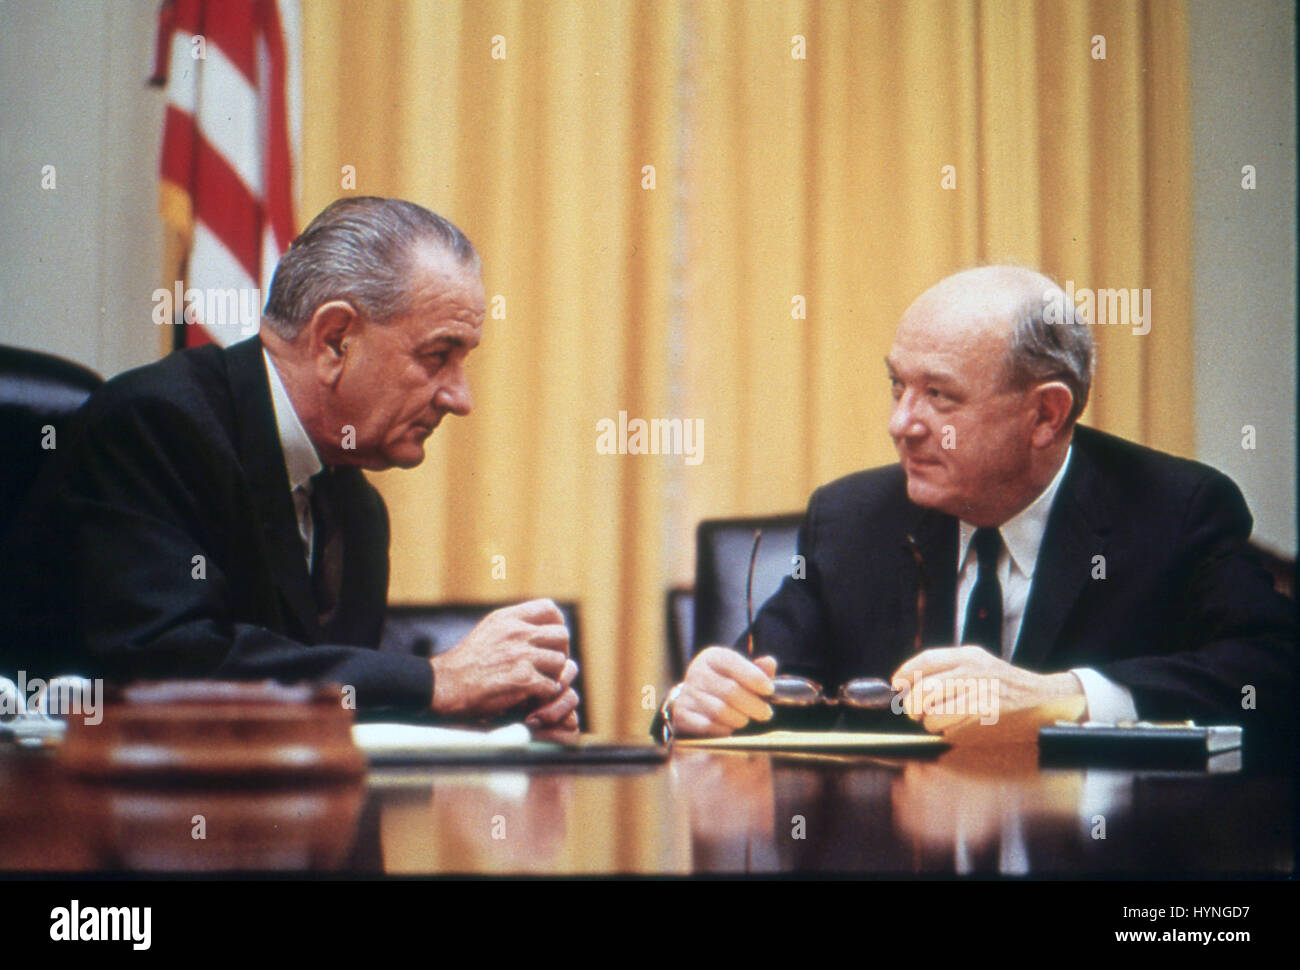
929, 376
446, 339
940, 377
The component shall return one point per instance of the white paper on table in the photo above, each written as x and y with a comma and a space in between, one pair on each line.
380, 739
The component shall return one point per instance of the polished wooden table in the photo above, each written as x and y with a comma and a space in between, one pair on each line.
969, 812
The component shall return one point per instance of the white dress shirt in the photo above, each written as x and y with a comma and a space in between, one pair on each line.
300, 458
1022, 536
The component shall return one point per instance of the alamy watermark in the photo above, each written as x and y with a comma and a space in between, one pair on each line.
210, 306
950, 697
76, 923
656, 436
60, 697
1123, 307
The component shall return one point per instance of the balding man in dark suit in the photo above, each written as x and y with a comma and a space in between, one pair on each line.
1072, 575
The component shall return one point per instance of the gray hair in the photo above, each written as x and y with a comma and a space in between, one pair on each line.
1051, 340
358, 249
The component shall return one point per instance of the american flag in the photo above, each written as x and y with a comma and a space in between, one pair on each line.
226, 197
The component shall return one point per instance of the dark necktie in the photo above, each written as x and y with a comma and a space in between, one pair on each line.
984, 611
327, 545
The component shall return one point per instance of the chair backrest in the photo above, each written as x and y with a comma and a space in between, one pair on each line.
428, 629
681, 630
722, 565
36, 390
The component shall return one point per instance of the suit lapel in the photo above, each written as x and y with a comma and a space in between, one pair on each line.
1076, 531
263, 461
936, 537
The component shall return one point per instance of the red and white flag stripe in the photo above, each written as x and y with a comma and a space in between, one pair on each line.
230, 68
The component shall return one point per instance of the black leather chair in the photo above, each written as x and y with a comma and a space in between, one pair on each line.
722, 564
429, 629
36, 390
681, 629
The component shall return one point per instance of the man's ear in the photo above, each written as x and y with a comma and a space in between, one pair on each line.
1053, 403
327, 334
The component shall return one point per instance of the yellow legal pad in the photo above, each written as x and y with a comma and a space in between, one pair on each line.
818, 741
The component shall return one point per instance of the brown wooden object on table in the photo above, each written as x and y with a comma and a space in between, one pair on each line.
216, 731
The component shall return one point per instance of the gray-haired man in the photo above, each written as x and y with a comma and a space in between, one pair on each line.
209, 517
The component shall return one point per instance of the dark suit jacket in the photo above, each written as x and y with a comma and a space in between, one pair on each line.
1185, 618
179, 459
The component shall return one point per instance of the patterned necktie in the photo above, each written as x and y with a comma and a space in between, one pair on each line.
327, 545
984, 611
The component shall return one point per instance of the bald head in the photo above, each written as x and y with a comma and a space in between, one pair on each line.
987, 293
1043, 335
987, 386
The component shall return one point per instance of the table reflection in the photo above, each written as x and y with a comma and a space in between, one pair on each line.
987, 810
526, 821
52, 822
968, 812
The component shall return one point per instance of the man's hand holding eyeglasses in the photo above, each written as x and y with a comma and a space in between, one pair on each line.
723, 691
968, 692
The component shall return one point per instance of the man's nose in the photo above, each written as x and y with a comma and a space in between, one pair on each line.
454, 396
904, 421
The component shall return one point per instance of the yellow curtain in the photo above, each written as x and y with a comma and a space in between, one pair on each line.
798, 205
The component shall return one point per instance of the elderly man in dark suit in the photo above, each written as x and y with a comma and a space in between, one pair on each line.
1071, 574
209, 517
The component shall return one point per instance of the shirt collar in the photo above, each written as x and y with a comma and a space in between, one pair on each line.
300, 458
1023, 533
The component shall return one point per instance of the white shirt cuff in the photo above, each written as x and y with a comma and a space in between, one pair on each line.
1108, 702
